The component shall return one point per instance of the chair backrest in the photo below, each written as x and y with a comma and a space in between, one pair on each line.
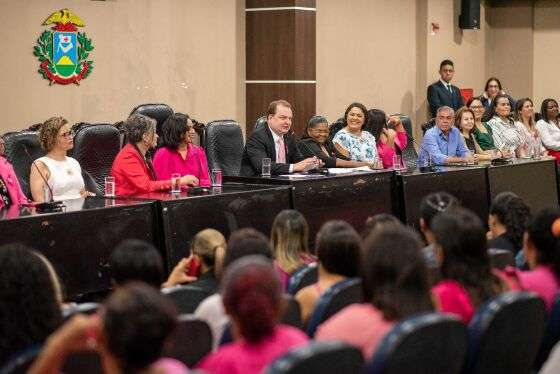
95, 148
428, 125
551, 334
303, 277
83, 362
159, 112
319, 357
335, 127
260, 122
224, 146
18, 144
340, 295
505, 334
409, 155
191, 340
292, 312
422, 344
500, 258
83, 308
21, 362
186, 298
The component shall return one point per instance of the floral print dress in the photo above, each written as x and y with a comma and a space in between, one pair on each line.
360, 148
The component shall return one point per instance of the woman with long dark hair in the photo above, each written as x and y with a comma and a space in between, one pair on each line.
390, 135
525, 121
507, 219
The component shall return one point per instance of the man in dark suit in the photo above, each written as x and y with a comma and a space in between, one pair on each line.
274, 141
442, 92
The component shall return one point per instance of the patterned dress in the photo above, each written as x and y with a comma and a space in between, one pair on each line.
505, 133
360, 148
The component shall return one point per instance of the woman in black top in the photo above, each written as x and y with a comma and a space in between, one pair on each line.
315, 143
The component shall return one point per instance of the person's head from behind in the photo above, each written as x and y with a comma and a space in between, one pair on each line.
464, 119
549, 110
430, 206
475, 104
141, 130
493, 87
338, 248
247, 242
279, 116
177, 130
377, 122
318, 129
446, 70
136, 260
509, 216
378, 221
355, 116
30, 299
542, 240
394, 274
444, 118
56, 134
289, 238
209, 247
252, 297
501, 106
137, 320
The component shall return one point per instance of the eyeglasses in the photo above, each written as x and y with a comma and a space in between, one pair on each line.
476, 107
67, 134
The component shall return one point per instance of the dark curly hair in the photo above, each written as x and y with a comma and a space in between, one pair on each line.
48, 132
29, 300
514, 214
362, 108
136, 260
541, 234
173, 130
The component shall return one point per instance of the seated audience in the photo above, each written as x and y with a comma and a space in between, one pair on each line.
482, 132
241, 243
549, 127
378, 221
467, 278
507, 136
136, 260
525, 121
276, 142
395, 284
30, 307
178, 154
129, 335
289, 238
208, 251
316, 143
133, 171
507, 219
390, 135
11, 195
352, 142
492, 88
252, 297
443, 144
464, 120
63, 173
338, 248
442, 92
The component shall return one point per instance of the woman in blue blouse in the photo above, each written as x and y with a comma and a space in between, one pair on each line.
351, 141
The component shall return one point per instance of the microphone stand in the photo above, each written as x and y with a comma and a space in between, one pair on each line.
47, 206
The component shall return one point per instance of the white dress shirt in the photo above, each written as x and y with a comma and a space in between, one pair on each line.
550, 134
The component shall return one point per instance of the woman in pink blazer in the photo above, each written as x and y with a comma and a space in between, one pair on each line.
10, 190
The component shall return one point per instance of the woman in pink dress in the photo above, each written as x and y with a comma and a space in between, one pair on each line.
390, 135
178, 154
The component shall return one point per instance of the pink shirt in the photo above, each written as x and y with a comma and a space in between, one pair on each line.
167, 162
386, 152
541, 280
454, 299
170, 366
12, 184
244, 358
360, 325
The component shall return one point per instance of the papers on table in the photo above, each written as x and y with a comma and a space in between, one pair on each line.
335, 171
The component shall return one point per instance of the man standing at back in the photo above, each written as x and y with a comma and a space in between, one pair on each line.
442, 92
274, 141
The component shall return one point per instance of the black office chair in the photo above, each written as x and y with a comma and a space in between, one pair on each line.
500, 258
22, 148
186, 298
191, 340
505, 334
335, 127
21, 362
551, 334
95, 148
224, 146
428, 125
83, 308
423, 344
292, 312
303, 277
338, 296
409, 155
319, 357
83, 362
261, 121
159, 112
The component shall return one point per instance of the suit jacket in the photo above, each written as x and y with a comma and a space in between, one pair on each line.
12, 183
132, 176
439, 95
309, 148
261, 145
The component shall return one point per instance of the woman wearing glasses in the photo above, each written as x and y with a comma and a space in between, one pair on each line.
62, 173
482, 132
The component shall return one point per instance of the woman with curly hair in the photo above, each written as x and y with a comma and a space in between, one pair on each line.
507, 220
30, 307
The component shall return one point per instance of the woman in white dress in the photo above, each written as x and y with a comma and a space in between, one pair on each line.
549, 127
525, 121
63, 173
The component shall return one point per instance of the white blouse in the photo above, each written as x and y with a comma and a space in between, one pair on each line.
550, 134
65, 178
530, 139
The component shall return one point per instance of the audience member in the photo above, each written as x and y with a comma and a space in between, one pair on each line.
525, 121
351, 141
252, 297
377, 221
136, 260
63, 173
464, 120
395, 284
129, 335
442, 92
133, 171
482, 132
289, 238
467, 279
508, 219
11, 195
549, 127
443, 144
507, 136
31, 300
275, 142
316, 143
492, 88
390, 135
178, 154
338, 248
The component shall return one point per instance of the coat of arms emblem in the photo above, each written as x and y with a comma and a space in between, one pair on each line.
63, 51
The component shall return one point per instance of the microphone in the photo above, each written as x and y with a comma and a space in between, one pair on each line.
47, 206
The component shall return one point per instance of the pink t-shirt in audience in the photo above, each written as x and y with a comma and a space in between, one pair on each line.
244, 358
167, 162
361, 325
453, 298
541, 280
170, 366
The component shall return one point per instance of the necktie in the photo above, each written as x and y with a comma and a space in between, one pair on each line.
281, 152
449, 87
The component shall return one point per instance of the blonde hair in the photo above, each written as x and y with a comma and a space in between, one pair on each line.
289, 238
205, 244
48, 132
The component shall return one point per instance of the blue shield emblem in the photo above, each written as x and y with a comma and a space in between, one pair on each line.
65, 52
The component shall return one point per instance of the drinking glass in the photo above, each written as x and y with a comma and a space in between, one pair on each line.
469, 157
109, 186
265, 167
175, 183
216, 178
397, 162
